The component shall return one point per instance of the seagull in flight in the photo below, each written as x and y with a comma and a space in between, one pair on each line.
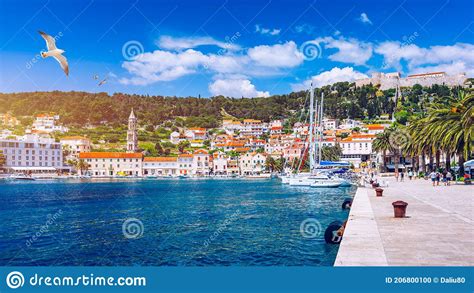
54, 52
102, 81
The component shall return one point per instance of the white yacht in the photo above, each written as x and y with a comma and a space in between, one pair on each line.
20, 176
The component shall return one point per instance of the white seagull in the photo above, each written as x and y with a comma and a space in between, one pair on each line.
54, 52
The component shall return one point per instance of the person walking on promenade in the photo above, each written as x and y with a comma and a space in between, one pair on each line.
448, 178
433, 177
402, 176
396, 176
410, 174
438, 178
445, 180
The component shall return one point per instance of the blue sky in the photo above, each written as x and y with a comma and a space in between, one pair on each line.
235, 48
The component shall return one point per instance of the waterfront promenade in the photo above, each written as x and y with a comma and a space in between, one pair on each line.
438, 229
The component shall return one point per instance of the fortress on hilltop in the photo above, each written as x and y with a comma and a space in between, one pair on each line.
394, 79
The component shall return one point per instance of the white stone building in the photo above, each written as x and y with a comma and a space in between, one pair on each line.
219, 163
32, 154
201, 165
160, 166
252, 163
185, 164
108, 164
74, 145
47, 123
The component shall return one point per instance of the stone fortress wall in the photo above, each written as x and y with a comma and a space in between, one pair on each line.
391, 80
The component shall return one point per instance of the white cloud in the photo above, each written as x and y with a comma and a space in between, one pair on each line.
235, 88
161, 65
267, 31
364, 18
457, 58
284, 55
171, 43
329, 77
349, 50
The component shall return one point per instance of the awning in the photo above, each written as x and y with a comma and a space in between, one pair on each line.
469, 163
392, 166
332, 163
33, 168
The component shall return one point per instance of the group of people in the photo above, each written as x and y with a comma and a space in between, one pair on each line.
444, 176
410, 173
436, 177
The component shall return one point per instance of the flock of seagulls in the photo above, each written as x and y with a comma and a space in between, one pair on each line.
57, 54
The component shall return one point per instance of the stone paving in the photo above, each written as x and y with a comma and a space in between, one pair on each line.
438, 229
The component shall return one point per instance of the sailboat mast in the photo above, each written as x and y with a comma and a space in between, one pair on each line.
320, 130
311, 128
315, 133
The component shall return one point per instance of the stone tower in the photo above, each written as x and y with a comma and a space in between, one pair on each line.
132, 135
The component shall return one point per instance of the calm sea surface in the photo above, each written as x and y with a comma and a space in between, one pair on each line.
165, 222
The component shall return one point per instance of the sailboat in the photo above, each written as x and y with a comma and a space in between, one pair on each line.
314, 179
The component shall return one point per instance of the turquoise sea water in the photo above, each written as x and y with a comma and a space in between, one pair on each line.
187, 222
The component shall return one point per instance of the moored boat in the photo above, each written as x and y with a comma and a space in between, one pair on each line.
20, 176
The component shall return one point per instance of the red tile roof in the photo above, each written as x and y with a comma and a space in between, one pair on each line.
110, 155
160, 159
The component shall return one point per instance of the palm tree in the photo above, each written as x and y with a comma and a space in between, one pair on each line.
270, 164
382, 144
82, 166
448, 127
2, 160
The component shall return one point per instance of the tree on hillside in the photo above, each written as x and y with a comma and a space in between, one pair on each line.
182, 145
159, 148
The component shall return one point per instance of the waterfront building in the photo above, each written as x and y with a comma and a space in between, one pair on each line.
160, 166
185, 164
32, 154
233, 166
132, 133
357, 148
201, 165
47, 123
73, 145
219, 163
252, 163
113, 163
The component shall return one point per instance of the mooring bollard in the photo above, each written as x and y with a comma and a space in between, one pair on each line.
399, 208
378, 191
